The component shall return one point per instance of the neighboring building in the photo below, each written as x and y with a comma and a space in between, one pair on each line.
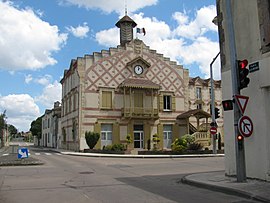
130, 89
251, 20
50, 121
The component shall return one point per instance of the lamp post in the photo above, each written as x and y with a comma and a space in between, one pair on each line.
213, 103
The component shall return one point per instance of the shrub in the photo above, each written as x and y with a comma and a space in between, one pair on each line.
91, 139
195, 146
114, 147
190, 139
179, 145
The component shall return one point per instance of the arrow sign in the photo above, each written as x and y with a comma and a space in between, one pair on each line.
245, 126
22, 153
241, 102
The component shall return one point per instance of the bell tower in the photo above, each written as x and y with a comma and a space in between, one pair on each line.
126, 25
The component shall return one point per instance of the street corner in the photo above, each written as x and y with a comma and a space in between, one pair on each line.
13, 160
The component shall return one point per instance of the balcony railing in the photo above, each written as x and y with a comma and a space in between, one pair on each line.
137, 112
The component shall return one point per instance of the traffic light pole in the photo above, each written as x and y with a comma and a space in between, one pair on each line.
239, 150
213, 104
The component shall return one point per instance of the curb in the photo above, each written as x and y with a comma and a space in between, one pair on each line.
138, 156
223, 189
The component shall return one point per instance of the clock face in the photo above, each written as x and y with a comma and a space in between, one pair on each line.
138, 70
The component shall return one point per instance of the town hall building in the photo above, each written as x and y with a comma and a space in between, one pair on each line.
133, 90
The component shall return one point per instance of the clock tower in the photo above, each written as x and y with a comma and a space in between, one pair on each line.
126, 25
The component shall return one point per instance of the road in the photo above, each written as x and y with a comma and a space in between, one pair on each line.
76, 179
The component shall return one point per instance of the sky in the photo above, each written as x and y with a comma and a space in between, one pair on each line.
38, 40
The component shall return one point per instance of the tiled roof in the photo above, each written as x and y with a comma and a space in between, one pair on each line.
139, 83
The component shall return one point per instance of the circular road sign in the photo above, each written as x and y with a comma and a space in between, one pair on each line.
213, 130
245, 126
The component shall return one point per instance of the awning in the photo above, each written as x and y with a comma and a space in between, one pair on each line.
198, 113
140, 83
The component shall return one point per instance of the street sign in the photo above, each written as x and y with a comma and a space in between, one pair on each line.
213, 130
241, 102
22, 153
245, 126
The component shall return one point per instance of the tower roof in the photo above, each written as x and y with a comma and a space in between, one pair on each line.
126, 19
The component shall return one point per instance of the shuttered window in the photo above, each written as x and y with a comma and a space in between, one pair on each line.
107, 99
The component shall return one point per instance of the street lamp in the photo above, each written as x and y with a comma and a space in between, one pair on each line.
213, 103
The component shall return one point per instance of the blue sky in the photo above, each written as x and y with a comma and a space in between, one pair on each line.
39, 38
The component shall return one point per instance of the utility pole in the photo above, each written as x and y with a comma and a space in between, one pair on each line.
213, 104
239, 152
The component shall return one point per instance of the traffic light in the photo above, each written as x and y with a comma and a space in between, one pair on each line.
243, 72
216, 113
227, 105
240, 140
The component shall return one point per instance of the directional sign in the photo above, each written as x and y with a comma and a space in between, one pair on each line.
22, 153
213, 130
245, 126
242, 102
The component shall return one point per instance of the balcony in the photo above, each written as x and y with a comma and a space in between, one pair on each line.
141, 113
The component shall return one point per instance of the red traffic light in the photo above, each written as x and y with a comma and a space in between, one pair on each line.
227, 105
243, 64
240, 137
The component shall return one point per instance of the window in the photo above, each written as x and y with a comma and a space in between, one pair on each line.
210, 93
106, 134
199, 106
107, 99
167, 102
198, 93
167, 136
138, 100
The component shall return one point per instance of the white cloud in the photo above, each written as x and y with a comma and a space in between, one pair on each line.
50, 94
21, 110
44, 80
117, 6
28, 78
108, 37
188, 43
80, 31
199, 26
26, 38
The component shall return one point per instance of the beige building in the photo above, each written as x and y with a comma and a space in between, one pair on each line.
251, 20
130, 89
50, 120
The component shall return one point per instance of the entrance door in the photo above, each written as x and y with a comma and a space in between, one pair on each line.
106, 134
138, 136
167, 136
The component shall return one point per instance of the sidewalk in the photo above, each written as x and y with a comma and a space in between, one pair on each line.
217, 181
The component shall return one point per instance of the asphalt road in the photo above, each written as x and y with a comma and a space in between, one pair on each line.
74, 179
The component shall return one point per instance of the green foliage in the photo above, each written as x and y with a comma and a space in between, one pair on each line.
179, 145
36, 127
155, 140
186, 142
195, 146
3, 120
12, 130
91, 139
128, 139
115, 147
189, 138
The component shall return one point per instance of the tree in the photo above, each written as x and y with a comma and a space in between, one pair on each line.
3, 125
91, 139
36, 127
12, 130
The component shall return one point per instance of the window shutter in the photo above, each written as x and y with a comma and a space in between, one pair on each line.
161, 102
173, 104
175, 131
97, 129
115, 134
